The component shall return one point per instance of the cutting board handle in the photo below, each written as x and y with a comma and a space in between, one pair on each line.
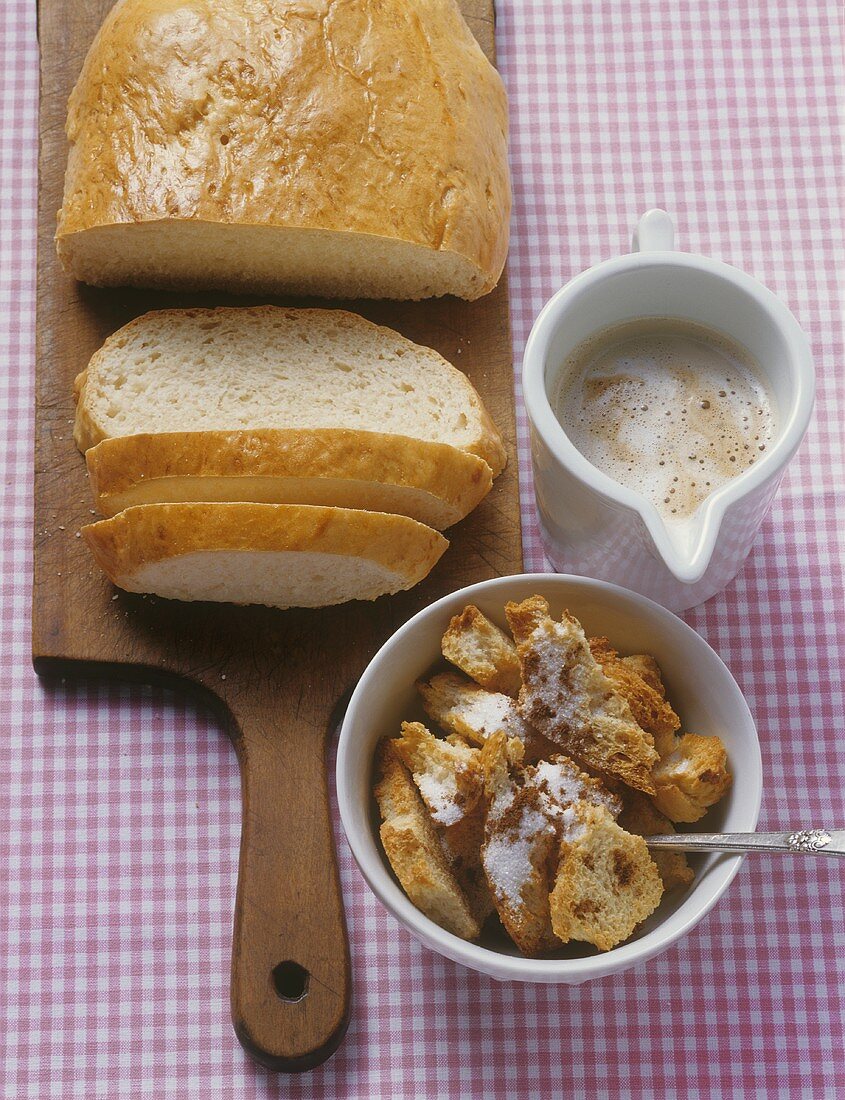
290, 955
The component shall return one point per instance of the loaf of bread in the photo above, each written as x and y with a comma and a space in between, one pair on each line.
430, 482
346, 150
233, 369
281, 555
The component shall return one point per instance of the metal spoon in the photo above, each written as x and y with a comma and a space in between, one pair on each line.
817, 842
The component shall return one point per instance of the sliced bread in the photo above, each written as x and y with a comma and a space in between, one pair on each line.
282, 555
234, 369
431, 482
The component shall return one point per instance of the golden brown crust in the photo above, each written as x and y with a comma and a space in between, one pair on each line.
566, 696
648, 669
153, 532
484, 652
331, 466
650, 708
462, 845
413, 848
691, 778
287, 115
486, 445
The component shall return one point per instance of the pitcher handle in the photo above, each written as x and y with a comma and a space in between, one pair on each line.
655, 232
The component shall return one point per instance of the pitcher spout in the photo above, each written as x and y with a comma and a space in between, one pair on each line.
686, 547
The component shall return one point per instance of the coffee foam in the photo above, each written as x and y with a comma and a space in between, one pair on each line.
669, 408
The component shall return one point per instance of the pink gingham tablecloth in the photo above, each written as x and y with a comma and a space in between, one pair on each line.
121, 805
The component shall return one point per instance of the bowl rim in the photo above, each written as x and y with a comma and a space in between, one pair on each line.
483, 959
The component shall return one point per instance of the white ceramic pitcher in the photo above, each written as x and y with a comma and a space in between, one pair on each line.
596, 527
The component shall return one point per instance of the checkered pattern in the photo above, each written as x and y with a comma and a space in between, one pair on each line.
122, 805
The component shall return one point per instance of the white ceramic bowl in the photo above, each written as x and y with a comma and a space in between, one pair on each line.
701, 688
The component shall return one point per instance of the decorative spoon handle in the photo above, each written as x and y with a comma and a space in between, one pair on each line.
817, 842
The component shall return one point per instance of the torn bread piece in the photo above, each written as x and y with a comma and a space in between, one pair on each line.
691, 778
462, 844
606, 881
520, 838
567, 697
527, 807
448, 774
650, 708
564, 783
484, 652
640, 816
462, 707
413, 848
647, 669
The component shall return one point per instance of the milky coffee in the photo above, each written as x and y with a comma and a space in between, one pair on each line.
666, 407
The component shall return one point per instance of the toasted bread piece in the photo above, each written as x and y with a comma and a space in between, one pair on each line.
691, 778
565, 784
462, 844
413, 848
462, 707
499, 754
527, 809
640, 816
650, 708
606, 881
648, 669
483, 651
568, 698
520, 837
448, 775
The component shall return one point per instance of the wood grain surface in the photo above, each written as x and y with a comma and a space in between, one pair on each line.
277, 676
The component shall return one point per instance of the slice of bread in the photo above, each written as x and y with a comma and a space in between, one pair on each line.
413, 848
434, 483
282, 555
606, 881
232, 369
484, 652
568, 698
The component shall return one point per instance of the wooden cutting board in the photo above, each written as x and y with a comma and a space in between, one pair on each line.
278, 677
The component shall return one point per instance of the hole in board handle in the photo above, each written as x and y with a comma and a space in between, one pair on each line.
290, 980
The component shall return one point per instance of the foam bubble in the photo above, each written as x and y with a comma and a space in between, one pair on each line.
666, 407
